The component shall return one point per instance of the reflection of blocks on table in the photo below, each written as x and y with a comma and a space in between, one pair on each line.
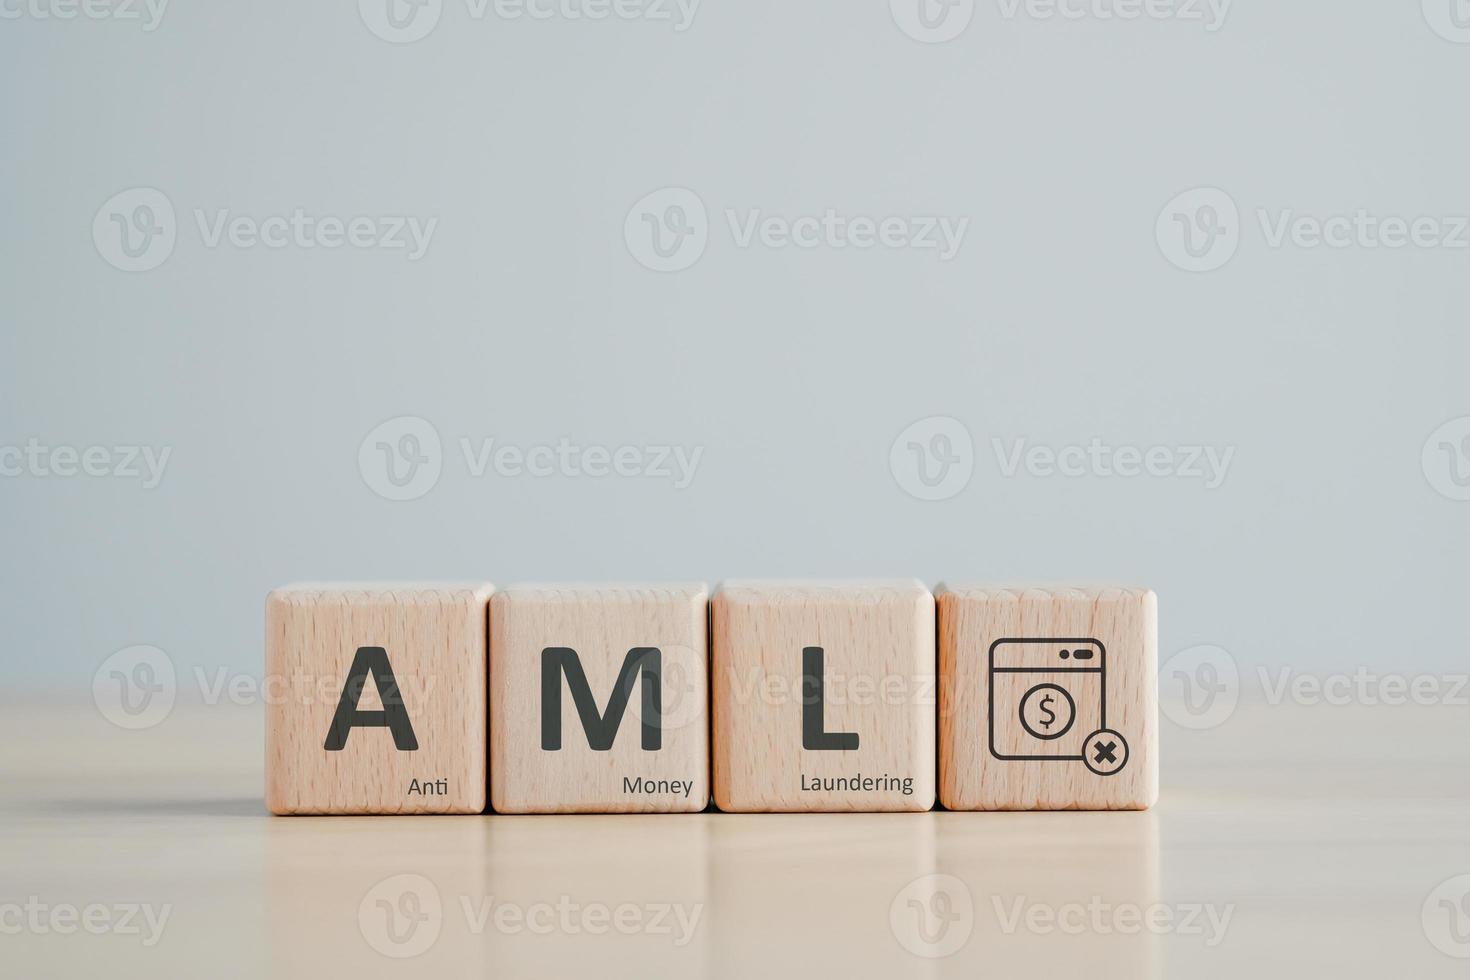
376, 698
823, 696
1048, 698
598, 699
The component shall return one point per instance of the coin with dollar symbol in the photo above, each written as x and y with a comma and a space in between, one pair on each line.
1047, 711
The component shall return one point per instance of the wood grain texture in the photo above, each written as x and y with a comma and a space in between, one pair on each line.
435, 639
602, 623
879, 668
1040, 677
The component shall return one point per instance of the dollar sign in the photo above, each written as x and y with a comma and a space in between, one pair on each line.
1051, 716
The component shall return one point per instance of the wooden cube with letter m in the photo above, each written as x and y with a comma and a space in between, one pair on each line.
598, 699
376, 698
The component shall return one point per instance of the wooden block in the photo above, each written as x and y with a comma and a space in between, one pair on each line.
1048, 698
376, 698
598, 697
824, 696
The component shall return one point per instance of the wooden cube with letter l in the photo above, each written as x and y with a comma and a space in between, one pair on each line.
824, 696
1048, 698
598, 699
376, 698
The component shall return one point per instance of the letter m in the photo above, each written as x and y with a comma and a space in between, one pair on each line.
601, 728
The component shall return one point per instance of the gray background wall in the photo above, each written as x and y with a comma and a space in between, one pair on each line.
1335, 539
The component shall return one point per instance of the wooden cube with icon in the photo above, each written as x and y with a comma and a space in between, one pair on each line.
1048, 698
823, 696
599, 699
376, 698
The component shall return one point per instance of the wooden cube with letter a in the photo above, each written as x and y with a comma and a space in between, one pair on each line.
376, 698
598, 699
824, 696
1048, 698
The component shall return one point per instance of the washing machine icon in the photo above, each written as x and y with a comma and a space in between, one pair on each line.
1049, 703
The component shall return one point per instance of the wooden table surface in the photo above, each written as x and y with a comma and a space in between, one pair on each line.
1289, 842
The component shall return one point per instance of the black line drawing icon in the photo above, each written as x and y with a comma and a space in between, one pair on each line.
1105, 752
1048, 702
1047, 712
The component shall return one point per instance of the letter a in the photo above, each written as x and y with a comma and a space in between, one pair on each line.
394, 717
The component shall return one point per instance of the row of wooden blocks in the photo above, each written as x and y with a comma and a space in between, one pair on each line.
772, 696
